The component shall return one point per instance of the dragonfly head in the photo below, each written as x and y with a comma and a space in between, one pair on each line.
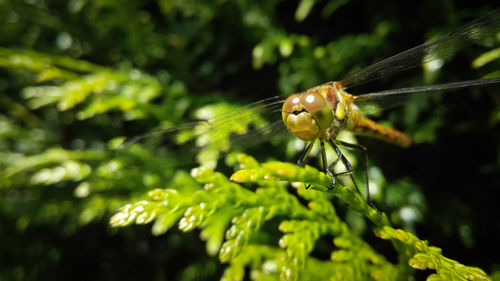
307, 115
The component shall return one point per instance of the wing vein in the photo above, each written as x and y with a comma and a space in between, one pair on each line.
440, 48
438, 87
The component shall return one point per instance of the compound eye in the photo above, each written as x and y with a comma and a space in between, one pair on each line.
290, 103
319, 108
313, 102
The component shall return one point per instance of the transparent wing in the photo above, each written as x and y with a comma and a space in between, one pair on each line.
440, 48
373, 103
205, 141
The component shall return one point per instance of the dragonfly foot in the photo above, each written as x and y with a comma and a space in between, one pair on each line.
332, 186
376, 209
334, 181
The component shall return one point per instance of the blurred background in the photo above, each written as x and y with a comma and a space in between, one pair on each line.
79, 76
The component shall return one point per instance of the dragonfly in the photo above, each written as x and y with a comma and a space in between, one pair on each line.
319, 114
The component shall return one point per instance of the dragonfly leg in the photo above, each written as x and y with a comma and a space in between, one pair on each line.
325, 169
302, 159
365, 155
342, 158
323, 156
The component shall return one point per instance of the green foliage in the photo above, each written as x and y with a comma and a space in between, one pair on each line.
222, 202
104, 89
430, 257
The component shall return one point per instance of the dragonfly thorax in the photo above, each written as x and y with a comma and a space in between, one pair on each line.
311, 115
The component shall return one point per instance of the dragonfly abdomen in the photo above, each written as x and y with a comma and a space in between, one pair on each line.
362, 125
